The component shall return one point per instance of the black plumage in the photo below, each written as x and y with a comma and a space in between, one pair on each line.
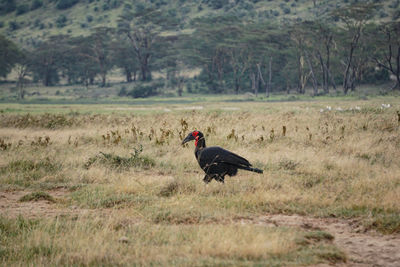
215, 161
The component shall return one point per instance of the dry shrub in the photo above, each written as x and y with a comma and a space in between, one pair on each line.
47, 120
121, 163
36, 196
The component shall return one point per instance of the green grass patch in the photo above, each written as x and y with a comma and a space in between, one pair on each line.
36, 196
319, 236
177, 217
55, 242
28, 172
102, 197
385, 223
14, 227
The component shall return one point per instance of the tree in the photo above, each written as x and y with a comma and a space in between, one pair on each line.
9, 54
354, 18
314, 41
387, 48
125, 58
77, 65
298, 34
22, 67
143, 29
218, 51
267, 44
100, 51
322, 37
46, 59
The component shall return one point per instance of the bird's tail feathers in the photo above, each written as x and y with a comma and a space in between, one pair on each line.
251, 169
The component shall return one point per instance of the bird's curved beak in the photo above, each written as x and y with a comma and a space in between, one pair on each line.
188, 138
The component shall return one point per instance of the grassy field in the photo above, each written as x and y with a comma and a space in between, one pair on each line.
111, 184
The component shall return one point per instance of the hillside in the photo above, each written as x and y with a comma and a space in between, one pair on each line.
29, 21
233, 46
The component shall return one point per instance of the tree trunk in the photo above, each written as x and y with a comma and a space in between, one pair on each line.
261, 79
353, 79
268, 88
324, 73
314, 80
86, 81
327, 66
302, 77
103, 79
397, 74
143, 72
253, 82
257, 83
21, 91
237, 85
128, 74
47, 78
346, 78
180, 86
331, 79
236, 79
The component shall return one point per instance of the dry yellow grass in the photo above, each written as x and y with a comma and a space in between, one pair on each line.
343, 163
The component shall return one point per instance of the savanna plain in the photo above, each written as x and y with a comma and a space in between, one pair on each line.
112, 184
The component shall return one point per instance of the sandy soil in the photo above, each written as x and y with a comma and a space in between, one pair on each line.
11, 207
363, 248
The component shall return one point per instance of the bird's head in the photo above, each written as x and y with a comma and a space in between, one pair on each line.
195, 135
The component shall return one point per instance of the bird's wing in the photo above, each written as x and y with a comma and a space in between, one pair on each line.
219, 155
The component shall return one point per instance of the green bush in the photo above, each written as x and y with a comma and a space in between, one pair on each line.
22, 9
7, 6
13, 25
89, 18
145, 89
123, 91
61, 21
65, 4
36, 23
36, 4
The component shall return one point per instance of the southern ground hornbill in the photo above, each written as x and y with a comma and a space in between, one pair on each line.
215, 161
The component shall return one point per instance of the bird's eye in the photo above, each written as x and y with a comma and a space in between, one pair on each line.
195, 133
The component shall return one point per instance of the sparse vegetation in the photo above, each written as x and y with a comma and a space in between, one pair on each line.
47, 120
153, 190
118, 162
97, 95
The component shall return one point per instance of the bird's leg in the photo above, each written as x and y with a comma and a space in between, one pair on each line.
219, 178
207, 178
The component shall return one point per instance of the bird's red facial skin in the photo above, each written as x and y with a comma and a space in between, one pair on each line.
197, 140
195, 133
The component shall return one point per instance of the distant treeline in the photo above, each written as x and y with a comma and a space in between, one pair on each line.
337, 52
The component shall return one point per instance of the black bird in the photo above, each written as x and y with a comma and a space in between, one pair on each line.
215, 161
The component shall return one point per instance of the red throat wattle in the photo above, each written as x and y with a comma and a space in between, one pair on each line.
195, 134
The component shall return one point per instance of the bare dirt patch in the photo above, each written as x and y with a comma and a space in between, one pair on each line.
11, 207
363, 248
